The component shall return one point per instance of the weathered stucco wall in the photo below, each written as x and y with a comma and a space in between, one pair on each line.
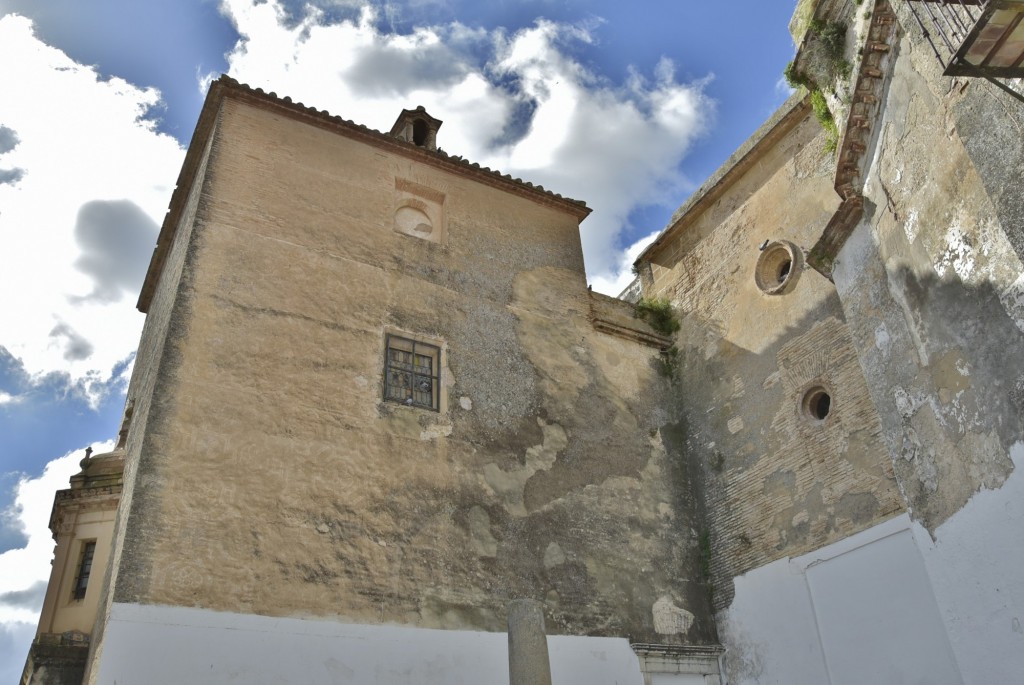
775, 481
277, 481
933, 289
149, 377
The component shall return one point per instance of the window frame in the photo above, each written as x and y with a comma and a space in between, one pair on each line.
87, 556
433, 374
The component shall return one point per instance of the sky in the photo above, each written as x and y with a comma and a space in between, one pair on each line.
627, 106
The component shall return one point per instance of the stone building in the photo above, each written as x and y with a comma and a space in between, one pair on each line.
375, 402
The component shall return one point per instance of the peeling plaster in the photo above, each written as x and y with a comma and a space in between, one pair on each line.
670, 619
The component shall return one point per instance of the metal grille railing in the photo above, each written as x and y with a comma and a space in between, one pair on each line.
973, 37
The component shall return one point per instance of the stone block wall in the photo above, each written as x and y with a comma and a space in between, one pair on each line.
776, 481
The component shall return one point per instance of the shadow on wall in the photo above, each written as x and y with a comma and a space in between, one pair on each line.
778, 474
949, 381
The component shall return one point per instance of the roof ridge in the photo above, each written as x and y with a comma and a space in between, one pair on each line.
334, 118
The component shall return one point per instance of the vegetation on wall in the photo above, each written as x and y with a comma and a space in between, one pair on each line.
824, 116
658, 314
668, 363
830, 36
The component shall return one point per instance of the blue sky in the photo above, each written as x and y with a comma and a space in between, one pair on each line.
628, 106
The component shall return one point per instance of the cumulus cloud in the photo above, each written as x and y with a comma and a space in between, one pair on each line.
80, 144
30, 598
11, 176
512, 101
14, 641
71, 342
8, 139
116, 238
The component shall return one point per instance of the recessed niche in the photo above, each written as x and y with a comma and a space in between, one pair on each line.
413, 220
419, 211
816, 404
777, 267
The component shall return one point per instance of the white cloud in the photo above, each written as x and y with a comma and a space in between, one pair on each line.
78, 139
550, 121
7, 398
783, 89
25, 567
621, 275
15, 639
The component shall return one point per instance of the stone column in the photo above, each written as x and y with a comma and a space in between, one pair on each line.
527, 644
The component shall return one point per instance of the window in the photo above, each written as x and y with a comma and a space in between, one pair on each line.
412, 373
776, 267
84, 569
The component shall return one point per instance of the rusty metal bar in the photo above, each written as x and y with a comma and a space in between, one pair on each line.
1005, 87
967, 10
954, 34
942, 34
961, 27
927, 35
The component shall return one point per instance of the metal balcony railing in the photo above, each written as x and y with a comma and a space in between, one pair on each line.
974, 37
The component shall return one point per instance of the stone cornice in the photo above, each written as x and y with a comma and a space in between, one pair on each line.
82, 499
853, 150
618, 317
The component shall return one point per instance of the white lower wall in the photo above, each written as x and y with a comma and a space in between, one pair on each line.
976, 566
156, 645
890, 605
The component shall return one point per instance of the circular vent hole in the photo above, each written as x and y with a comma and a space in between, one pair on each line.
817, 404
777, 267
784, 270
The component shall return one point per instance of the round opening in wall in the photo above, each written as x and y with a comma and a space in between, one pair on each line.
817, 403
784, 270
776, 268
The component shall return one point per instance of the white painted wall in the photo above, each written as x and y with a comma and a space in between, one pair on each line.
857, 611
890, 605
769, 631
976, 566
877, 618
156, 645
677, 679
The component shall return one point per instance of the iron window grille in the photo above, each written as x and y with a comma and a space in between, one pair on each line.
84, 569
412, 373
